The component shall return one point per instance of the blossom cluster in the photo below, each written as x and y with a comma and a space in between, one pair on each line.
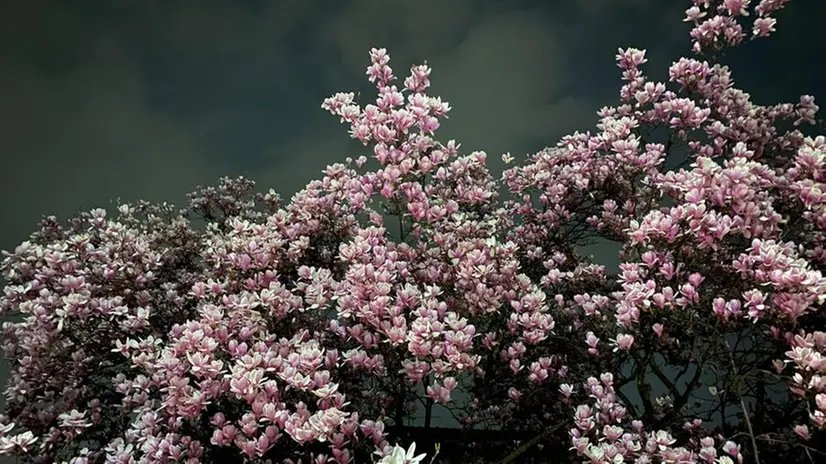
305, 331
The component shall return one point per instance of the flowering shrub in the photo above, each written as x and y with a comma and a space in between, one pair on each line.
308, 332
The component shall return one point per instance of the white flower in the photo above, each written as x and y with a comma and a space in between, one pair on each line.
400, 456
666, 401
595, 452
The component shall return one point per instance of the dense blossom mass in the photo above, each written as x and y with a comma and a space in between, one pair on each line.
315, 331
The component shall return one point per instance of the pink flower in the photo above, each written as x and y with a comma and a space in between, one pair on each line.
623, 342
658, 329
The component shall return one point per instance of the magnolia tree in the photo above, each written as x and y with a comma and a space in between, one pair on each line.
308, 332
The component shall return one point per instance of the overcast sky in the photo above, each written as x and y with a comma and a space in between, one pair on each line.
147, 99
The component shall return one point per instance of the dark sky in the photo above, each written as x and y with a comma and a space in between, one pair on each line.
147, 99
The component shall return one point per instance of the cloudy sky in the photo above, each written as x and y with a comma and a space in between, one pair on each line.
147, 99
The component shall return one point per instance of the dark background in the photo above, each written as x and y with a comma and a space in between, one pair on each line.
147, 99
